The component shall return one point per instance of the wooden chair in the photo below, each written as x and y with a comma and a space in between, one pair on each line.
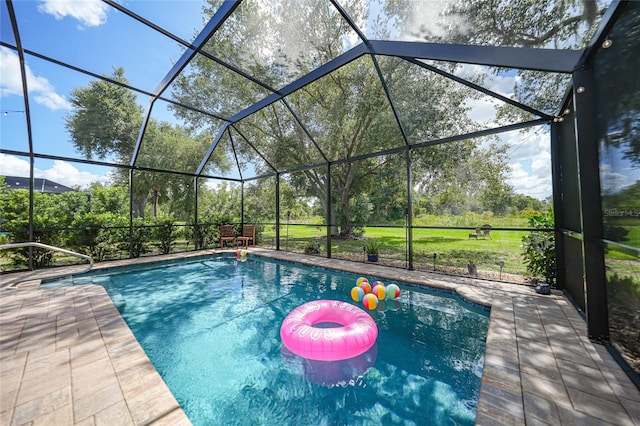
486, 231
477, 234
248, 234
227, 233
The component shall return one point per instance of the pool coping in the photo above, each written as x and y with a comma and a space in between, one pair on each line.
539, 365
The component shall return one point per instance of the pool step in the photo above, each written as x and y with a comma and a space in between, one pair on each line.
115, 295
59, 282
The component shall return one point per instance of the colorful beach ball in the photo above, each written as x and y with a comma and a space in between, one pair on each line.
366, 287
379, 290
370, 301
241, 255
393, 291
357, 293
361, 280
377, 283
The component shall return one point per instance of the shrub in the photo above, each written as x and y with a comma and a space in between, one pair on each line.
207, 233
312, 247
90, 235
539, 248
44, 231
166, 232
15, 216
140, 237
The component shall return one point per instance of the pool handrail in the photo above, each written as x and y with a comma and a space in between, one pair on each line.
48, 247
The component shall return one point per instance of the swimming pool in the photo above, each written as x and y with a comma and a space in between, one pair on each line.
211, 328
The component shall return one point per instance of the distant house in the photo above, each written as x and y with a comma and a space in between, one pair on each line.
45, 186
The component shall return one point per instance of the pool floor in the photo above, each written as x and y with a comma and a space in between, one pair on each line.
539, 366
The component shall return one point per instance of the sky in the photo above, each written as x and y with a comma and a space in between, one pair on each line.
91, 35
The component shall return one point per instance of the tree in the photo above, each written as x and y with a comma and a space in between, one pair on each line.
346, 113
173, 148
105, 119
521, 202
108, 199
224, 200
522, 23
495, 194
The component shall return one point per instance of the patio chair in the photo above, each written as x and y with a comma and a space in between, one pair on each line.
477, 234
486, 229
227, 233
248, 234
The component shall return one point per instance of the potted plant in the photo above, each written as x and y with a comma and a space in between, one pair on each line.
473, 258
372, 248
472, 267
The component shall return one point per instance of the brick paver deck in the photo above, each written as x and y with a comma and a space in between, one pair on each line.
67, 357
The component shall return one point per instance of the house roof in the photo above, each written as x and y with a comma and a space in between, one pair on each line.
39, 185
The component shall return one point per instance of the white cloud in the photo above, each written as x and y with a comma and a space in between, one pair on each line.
13, 166
530, 161
11, 82
483, 110
527, 183
541, 165
90, 13
502, 84
52, 100
527, 146
60, 171
612, 180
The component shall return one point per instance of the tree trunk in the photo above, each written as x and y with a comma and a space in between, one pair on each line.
156, 195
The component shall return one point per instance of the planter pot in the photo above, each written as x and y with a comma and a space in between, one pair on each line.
372, 257
473, 269
543, 288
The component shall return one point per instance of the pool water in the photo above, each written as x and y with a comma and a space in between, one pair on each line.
211, 327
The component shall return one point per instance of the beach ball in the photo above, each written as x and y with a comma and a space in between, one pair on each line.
361, 280
370, 301
380, 291
357, 293
241, 255
366, 287
393, 291
378, 283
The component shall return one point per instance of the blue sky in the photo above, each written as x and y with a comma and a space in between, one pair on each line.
91, 35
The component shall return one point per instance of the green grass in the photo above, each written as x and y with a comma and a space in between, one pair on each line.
453, 247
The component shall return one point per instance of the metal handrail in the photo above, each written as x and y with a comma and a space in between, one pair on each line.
45, 246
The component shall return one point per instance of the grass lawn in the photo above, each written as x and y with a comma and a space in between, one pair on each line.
453, 247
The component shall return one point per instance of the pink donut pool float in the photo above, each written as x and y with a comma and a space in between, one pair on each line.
353, 334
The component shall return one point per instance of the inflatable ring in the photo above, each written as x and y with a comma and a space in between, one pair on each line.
355, 334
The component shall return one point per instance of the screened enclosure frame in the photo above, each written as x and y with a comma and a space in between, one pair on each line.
579, 101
